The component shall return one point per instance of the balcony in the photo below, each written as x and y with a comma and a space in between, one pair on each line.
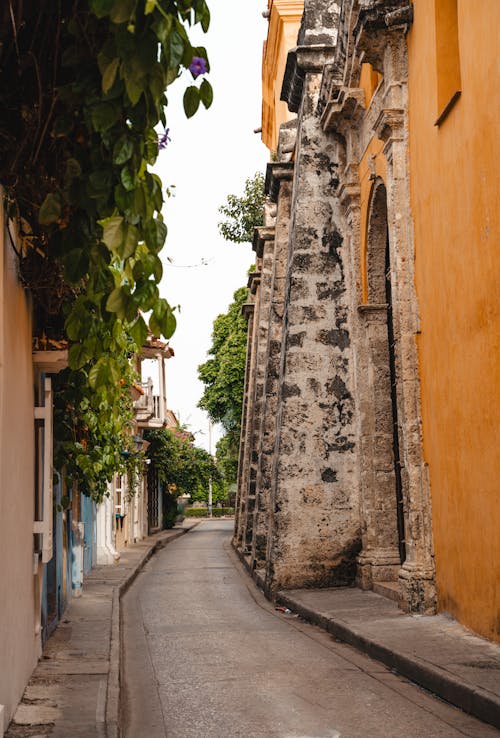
149, 408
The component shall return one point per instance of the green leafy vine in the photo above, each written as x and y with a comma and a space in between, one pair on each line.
82, 91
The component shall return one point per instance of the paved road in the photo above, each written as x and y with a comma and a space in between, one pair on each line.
207, 656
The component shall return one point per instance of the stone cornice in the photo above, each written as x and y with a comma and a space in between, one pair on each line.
389, 125
377, 15
300, 61
275, 172
247, 310
344, 109
253, 282
260, 236
376, 18
371, 308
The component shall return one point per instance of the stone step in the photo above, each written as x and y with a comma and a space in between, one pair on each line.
387, 589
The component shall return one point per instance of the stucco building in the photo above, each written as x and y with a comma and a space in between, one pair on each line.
368, 451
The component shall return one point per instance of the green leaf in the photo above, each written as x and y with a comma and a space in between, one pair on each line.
133, 87
112, 232
50, 210
78, 355
162, 27
99, 183
191, 101
205, 20
206, 93
104, 116
146, 294
100, 373
139, 331
109, 75
155, 233
175, 49
162, 320
130, 241
150, 6
150, 264
122, 10
122, 150
117, 302
127, 179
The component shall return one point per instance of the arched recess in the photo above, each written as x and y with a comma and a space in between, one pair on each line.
381, 468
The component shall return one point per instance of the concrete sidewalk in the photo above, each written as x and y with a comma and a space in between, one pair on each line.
75, 689
435, 652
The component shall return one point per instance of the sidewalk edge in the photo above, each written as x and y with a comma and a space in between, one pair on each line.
114, 681
461, 694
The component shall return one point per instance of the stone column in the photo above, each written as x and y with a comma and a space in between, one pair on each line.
248, 313
281, 175
316, 534
247, 421
264, 246
106, 551
416, 576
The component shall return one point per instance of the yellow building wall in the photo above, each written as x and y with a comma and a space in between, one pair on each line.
455, 203
19, 600
284, 23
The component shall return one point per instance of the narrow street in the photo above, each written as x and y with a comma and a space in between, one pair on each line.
207, 656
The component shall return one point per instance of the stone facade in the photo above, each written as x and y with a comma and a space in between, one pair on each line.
333, 489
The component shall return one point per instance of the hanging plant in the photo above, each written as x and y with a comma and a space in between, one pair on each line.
82, 89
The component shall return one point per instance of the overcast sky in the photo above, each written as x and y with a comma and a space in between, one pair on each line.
209, 156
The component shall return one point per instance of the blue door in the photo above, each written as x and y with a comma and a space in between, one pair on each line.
88, 519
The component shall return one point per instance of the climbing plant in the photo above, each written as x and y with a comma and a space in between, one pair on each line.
82, 93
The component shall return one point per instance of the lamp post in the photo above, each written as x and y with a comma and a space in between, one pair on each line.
210, 477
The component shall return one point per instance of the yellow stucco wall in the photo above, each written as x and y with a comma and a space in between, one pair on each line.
455, 204
19, 644
284, 23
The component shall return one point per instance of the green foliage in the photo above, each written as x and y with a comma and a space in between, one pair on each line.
223, 375
94, 437
244, 213
182, 467
226, 453
82, 88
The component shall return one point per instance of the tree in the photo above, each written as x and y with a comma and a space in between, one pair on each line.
223, 375
244, 213
182, 467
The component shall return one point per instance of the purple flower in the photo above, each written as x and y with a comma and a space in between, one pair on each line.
198, 66
163, 140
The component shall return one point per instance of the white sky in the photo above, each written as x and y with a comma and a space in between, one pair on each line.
210, 156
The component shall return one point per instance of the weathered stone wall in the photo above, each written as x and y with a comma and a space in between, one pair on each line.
335, 481
266, 439
316, 528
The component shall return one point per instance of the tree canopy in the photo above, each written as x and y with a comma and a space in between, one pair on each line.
244, 213
182, 467
223, 375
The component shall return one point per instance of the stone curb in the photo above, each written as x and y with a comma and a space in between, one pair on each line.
469, 698
112, 713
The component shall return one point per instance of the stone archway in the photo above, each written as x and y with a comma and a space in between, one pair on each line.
381, 468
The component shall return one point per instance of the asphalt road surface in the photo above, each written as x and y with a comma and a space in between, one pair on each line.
207, 656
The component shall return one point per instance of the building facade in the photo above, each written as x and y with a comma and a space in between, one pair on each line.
360, 423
